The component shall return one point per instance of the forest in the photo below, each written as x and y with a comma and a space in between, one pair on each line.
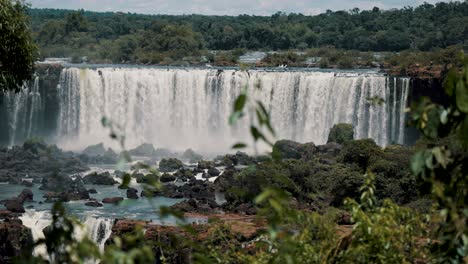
164, 39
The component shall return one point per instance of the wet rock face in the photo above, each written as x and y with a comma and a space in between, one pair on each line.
94, 204
95, 150
15, 240
63, 188
288, 149
146, 150
168, 165
113, 200
104, 178
36, 159
197, 206
14, 206
132, 193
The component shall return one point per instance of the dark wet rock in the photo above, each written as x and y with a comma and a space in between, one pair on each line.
147, 179
97, 154
119, 174
204, 164
331, 149
166, 177
213, 172
35, 145
193, 189
132, 193
143, 150
196, 206
95, 150
95, 178
169, 165
92, 191
138, 176
25, 196
226, 180
184, 175
192, 156
240, 158
287, 149
6, 214
14, 180
206, 175
15, 240
27, 183
14, 206
113, 200
94, 204
37, 180
246, 208
64, 188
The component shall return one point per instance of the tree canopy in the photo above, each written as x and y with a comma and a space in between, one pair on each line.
17, 49
426, 27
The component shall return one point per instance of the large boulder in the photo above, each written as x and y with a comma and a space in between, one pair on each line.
95, 178
213, 172
287, 149
95, 150
14, 206
147, 179
94, 204
112, 200
65, 188
146, 150
341, 133
204, 164
192, 156
171, 164
166, 177
35, 145
132, 193
25, 196
15, 240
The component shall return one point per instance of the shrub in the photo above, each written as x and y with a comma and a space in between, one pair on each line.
360, 152
341, 133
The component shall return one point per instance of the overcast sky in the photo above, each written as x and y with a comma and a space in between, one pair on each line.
224, 7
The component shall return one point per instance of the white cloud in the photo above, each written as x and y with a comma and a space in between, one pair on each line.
223, 7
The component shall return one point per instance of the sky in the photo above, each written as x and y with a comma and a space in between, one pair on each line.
224, 7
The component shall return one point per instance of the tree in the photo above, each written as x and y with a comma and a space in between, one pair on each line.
17, 49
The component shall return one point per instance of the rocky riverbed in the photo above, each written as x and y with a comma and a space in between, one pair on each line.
317, 178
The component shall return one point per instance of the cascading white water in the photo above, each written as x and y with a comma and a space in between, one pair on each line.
24, 109
179, 109
97, 229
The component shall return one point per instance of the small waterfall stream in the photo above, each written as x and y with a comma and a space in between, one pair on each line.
97, 229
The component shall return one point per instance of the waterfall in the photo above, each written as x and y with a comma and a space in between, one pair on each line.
190, 108
24, 110
179, 109
97, 229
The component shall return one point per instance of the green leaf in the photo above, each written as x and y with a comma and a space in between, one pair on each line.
462, 96
417, 163
240, 103
126, 180
450, 82
234, 117
239, 146
256, 133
